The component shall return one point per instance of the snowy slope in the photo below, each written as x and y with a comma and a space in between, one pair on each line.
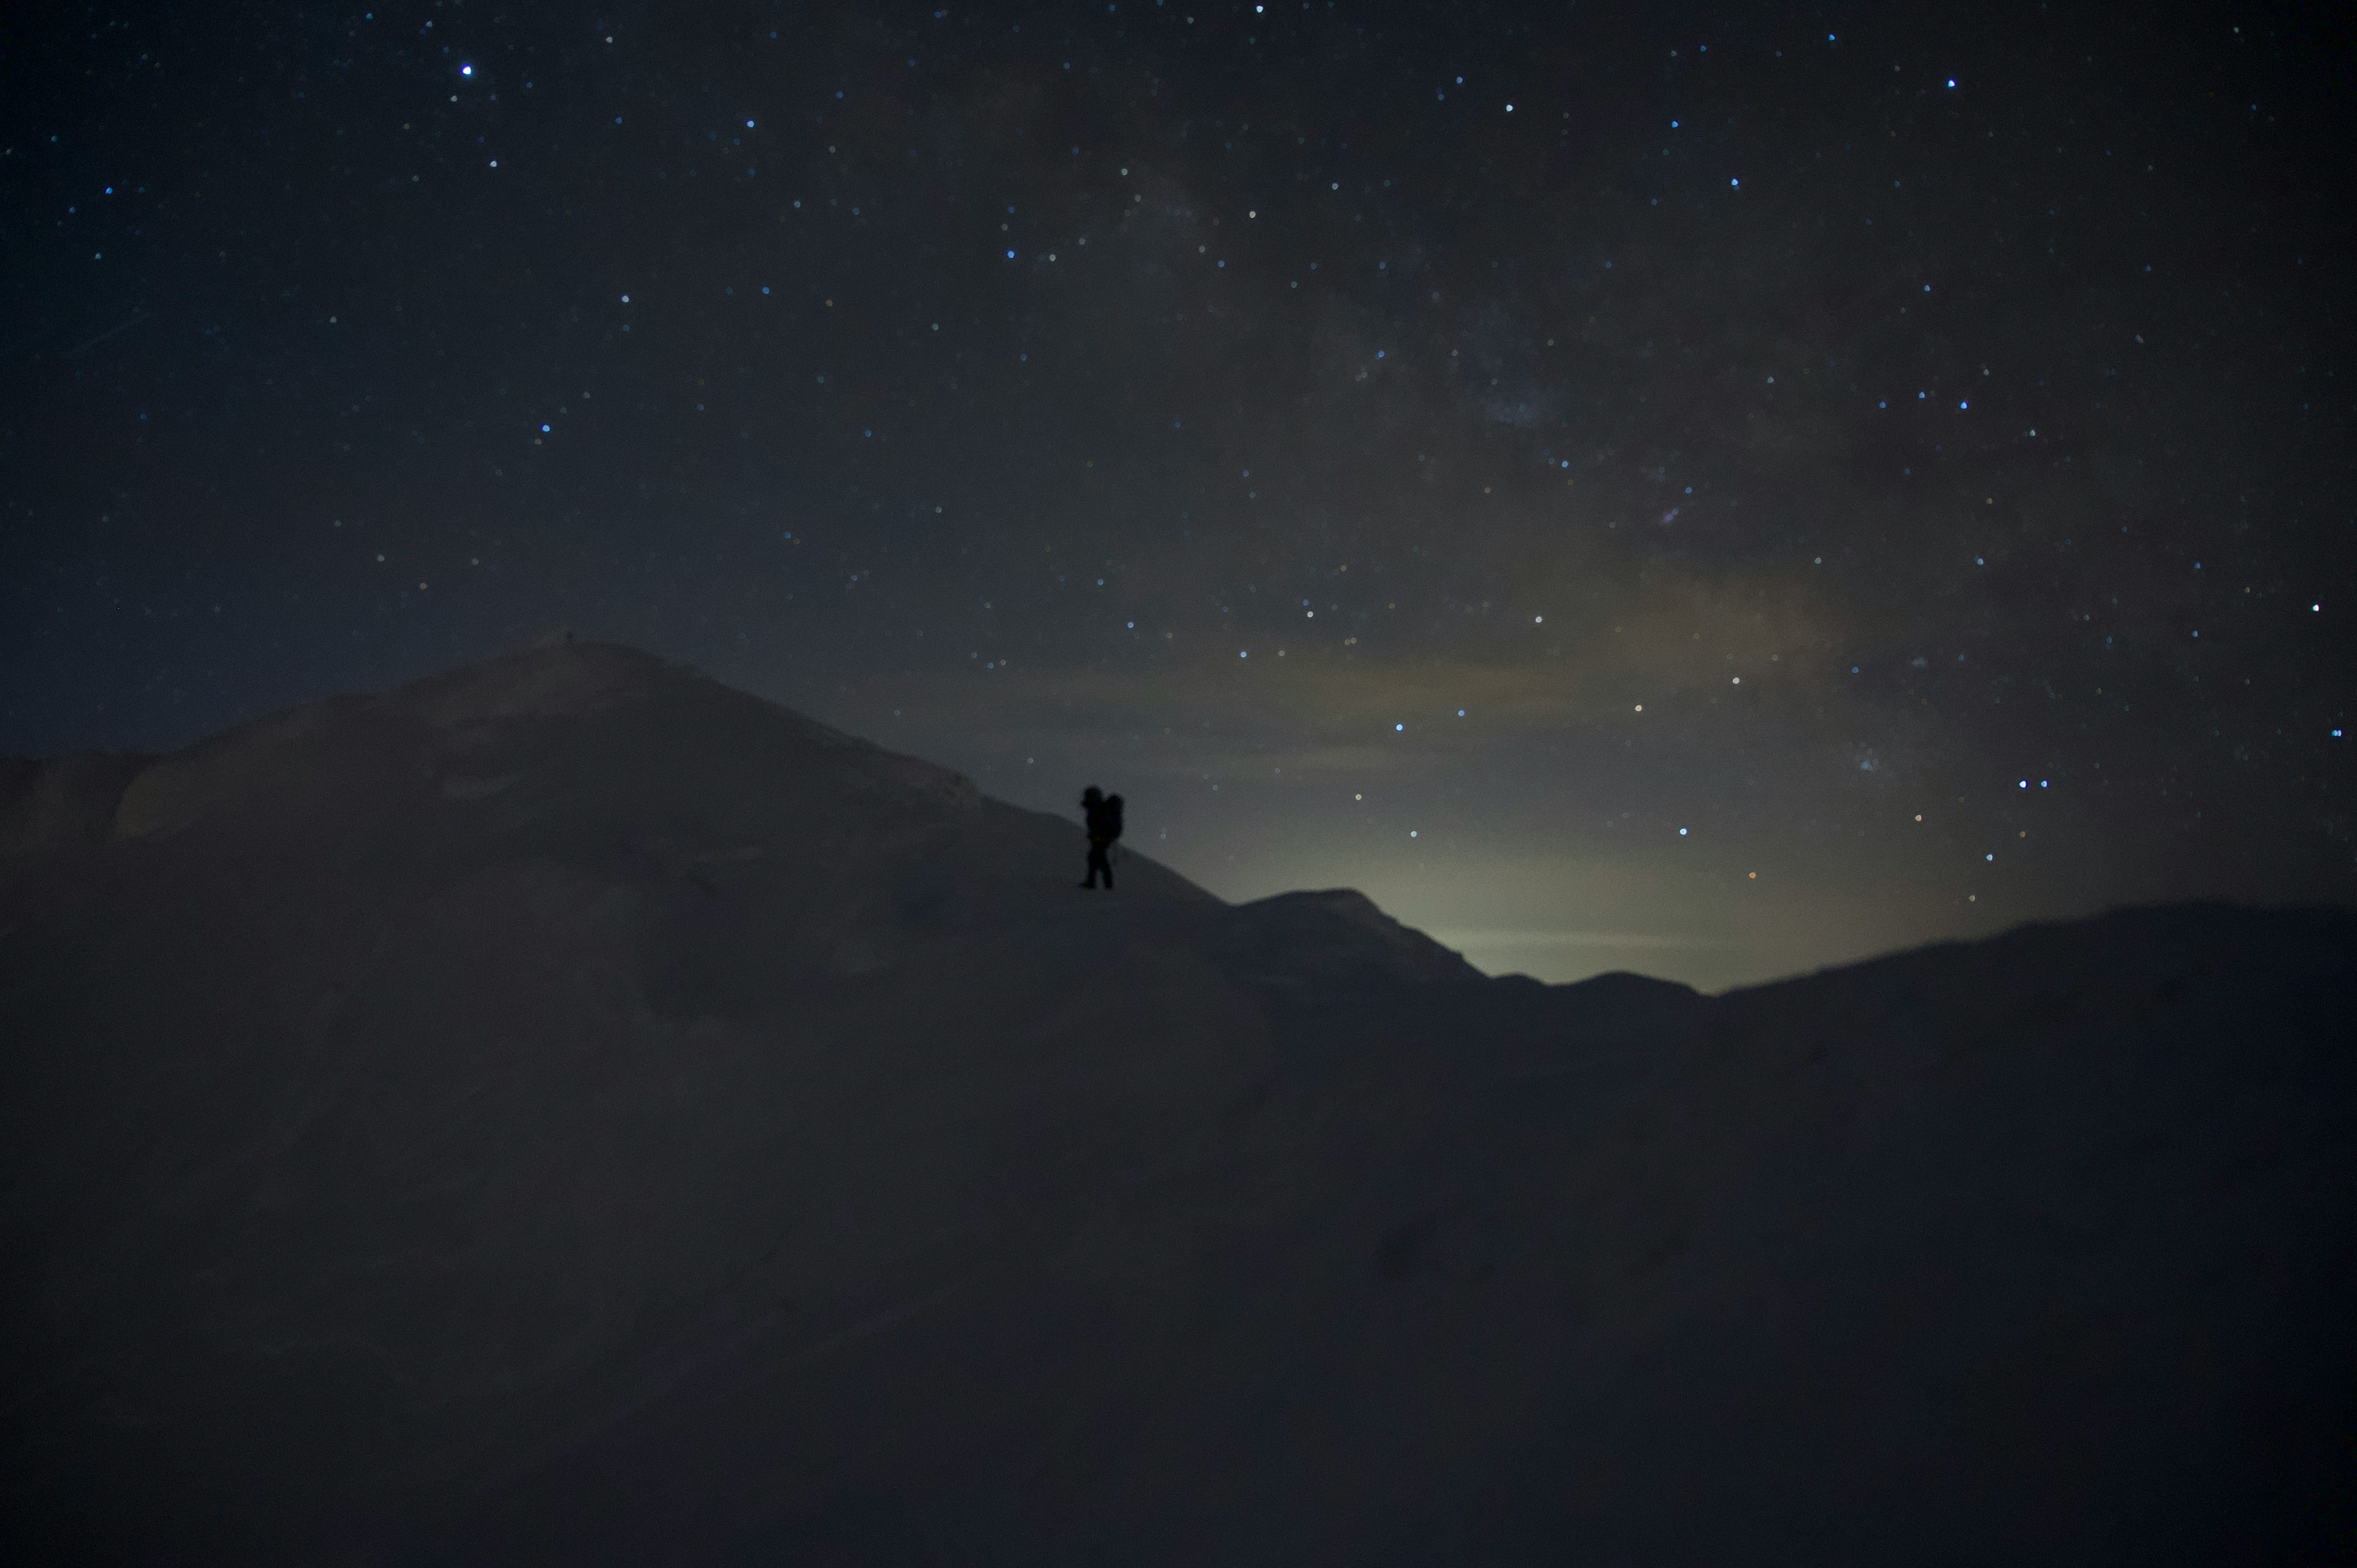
570, 1110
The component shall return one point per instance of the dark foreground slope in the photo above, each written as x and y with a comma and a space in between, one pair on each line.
570, 1112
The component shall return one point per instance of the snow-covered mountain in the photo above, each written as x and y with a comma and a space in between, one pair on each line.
570, 1110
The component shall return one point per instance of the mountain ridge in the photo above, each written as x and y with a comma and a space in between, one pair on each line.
567, 1109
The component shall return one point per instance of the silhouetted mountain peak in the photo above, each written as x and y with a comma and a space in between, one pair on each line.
1334, 934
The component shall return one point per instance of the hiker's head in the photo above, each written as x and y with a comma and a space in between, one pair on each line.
1092, 795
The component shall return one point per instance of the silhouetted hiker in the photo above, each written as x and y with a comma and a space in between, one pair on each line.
1104, 812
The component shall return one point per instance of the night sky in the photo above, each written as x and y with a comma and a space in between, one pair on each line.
1715, 492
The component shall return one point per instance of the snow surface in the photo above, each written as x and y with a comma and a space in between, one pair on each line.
567, 1110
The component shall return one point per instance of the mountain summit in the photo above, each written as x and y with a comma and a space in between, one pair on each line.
568, 1109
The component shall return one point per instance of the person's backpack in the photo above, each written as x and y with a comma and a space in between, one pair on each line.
1112, 815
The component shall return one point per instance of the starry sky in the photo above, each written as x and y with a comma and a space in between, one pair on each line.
1714, 492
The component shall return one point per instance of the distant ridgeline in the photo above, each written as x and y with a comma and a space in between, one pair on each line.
567, 1110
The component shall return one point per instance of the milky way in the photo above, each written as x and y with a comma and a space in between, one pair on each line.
1711, 492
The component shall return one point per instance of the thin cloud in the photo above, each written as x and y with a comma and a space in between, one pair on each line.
1644, 942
